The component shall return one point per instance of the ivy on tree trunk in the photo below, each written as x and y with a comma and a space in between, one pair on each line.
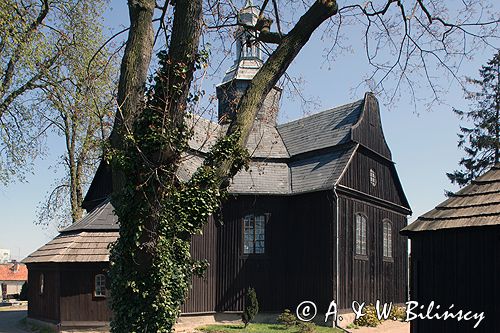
151, 264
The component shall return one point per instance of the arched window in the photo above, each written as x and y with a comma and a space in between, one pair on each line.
360, 232
100, 285
41, 283
254, 234
387, 234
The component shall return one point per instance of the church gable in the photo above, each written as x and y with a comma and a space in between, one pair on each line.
368, 130
370, 174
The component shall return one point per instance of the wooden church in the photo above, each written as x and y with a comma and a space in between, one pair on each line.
316, 217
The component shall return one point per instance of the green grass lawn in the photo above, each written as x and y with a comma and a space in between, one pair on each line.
261, 328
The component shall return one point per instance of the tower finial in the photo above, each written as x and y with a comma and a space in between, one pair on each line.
248, 50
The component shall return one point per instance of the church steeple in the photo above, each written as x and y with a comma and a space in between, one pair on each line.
248, 49
247, 63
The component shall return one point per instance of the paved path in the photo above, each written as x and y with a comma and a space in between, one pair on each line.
9, 320
386, 327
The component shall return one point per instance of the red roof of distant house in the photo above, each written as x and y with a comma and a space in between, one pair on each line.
9, 272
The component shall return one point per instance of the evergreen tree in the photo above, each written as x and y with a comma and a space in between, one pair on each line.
480, 141
251, 307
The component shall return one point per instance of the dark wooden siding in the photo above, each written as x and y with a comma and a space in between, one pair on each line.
357, 177
366, 280
78, 302
201, 297
461, 267
297, 265
368, 131
43, 306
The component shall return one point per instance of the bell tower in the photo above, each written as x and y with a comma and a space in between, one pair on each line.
247, 63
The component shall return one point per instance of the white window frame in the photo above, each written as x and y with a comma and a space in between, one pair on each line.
254, 234
360, 235
387, 239
100, 285
373, 178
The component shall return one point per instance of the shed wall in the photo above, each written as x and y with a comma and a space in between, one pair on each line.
44, 306
78, 302
461, 267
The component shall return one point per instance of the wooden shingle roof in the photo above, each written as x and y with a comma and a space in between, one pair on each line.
262, 177
85, 246
477, 204
272, 171
86, 240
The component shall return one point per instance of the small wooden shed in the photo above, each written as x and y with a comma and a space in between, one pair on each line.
67, 276
455, 259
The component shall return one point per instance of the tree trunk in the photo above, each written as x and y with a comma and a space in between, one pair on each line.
497, 117
133, 75
151, 263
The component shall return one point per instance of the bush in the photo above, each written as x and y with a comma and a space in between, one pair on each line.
287, 318
398, 313
251, 307
306, 327
369, 319
23, 296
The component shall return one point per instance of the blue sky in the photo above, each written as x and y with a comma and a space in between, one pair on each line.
423, 144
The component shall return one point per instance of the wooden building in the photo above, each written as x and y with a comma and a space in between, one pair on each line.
316, 217
455, 258
67, 276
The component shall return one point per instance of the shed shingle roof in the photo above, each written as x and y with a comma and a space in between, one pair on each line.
75, 247
477, 204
